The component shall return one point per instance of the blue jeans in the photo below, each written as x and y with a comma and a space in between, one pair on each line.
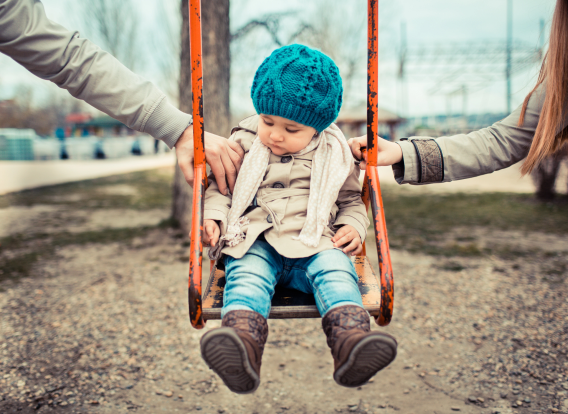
329, 275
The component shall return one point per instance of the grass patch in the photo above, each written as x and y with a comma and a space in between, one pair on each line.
421, 223
416, 222
452, 266
15, 267
557, 268
435, 213
65, 238
450, 250
148, 189
555, 272
169, 223
140, 190
26, 250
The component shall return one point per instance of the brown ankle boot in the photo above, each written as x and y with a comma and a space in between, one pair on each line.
358, 353
234, 351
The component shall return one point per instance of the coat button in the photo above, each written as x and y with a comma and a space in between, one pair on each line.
286, 159
278, 184
269, 218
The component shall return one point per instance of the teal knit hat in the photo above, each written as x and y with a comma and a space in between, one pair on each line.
298, 83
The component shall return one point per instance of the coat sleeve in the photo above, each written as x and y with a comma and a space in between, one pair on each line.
428, 160
217, 205
54, 53
352, 211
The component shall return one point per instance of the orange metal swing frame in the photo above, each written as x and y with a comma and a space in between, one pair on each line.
377, 293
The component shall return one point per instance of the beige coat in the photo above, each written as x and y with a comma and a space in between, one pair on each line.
51, 52
282, 201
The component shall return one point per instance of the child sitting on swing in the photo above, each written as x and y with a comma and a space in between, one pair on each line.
294, 217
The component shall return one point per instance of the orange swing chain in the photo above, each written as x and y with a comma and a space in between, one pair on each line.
200, 174
372, 191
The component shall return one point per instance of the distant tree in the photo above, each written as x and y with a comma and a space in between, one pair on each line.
339, 30
336, 27
115, 26
166, 42
22, 112
272, 24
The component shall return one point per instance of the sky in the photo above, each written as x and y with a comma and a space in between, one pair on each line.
427, 22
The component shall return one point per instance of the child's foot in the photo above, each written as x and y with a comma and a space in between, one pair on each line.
234, 351
360, 356
358, 353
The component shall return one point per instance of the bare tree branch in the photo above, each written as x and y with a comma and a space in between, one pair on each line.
166, 44
338, 30
302, 30
115, 24
271, 22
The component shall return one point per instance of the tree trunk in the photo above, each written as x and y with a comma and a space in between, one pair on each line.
216, 76
544, 176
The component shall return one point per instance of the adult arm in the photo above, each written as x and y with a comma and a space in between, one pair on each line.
53, 53
423, 160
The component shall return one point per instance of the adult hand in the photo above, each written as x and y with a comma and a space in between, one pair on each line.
389, 153
223, 156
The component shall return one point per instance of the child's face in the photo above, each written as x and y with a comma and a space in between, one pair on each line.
283, 136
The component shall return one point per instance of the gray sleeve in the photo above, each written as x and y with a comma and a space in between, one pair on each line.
428, 160
54, 53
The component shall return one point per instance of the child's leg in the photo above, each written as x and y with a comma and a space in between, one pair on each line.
234, 351
251, 279
330, 276
358, 352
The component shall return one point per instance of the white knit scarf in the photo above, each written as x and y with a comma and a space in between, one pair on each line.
331, 165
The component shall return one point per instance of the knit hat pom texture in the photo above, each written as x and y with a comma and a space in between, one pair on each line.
298, 83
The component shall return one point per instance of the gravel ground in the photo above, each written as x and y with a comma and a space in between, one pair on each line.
103, 328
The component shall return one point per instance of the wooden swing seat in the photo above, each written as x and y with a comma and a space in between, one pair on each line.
290, 303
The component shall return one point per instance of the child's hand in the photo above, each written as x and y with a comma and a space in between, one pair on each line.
389, 152
348, 234
211, 232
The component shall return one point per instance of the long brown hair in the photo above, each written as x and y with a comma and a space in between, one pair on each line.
547, 139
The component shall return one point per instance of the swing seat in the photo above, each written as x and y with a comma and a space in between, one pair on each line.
291, 303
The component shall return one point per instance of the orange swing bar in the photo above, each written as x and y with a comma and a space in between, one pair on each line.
377, 293
200, 171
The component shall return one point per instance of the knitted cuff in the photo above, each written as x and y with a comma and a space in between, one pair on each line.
167, 123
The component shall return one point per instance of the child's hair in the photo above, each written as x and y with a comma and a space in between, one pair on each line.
298, 83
